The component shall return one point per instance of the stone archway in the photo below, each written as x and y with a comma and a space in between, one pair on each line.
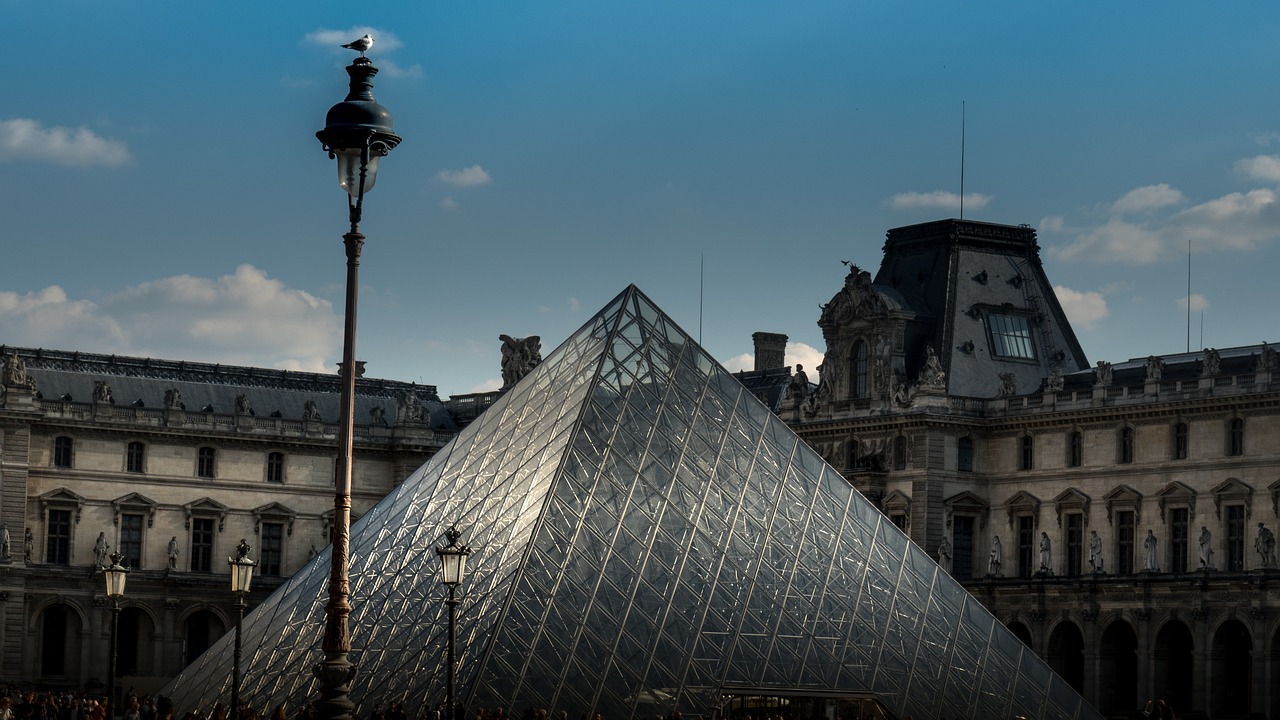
1174, 668
1118, 670
59, 637
201, 630
1022, 632
1066, 654
1231, 671
135, 643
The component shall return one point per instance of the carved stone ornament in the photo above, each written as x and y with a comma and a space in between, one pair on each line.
932, 376
14, 372
1056, 378
1211, 364
1155, 369
519, 357
310, 411
173, 399
1266, 359
1008, 385
1102, 374
102, 392
242, 405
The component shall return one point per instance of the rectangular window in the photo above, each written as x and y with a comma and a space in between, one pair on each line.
1235, 437
964, 457
962, 547
202, 545
272, 549
900, 521
1075, 450
1075, 544
131, 540
134, 457
1235, 538
1180, 441
1026, 546
205, 458
57, 549
275, 467
1011, 336
900, 453
1178, 527
1026, 452
1126, 445
1124, 542
62, 452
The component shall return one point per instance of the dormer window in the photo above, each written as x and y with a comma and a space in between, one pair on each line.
1011, 336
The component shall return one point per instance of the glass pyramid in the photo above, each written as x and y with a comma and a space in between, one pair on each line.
642, 528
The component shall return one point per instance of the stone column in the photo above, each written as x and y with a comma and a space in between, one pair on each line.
1146, 659
1202, 661
1258, 687
1092, 661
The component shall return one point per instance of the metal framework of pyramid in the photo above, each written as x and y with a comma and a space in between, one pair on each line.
642, 528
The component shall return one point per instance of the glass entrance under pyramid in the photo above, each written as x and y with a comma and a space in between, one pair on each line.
645, 535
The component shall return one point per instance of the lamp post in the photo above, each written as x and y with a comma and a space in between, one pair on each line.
241, 578
357, 133
115, 577
453, 566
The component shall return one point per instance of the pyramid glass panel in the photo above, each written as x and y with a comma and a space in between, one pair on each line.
645, 534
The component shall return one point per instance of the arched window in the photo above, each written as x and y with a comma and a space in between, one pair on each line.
135, 457
858, 376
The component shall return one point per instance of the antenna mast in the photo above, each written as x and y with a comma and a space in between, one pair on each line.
961, 159
702, 260
1188, 296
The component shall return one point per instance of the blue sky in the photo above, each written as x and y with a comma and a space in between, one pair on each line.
164, 194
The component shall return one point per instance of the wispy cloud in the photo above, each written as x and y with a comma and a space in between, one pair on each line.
938, 199
448, 203
1198, 302
466, 177
27, 139
1084, 309
244, 318
1145, 199
1261, 167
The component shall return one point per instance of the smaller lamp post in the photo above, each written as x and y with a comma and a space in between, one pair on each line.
115, 577
453, 566
241, 578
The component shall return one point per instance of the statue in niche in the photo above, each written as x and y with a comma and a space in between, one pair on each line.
903, 394
932, 376
1102, 374
1206, 549
519, 357
1046, 554
100, 549
242, 405
409, 409
944, 554
1095, 552
5, 543
28, 547
1211, 364
1151, 545
1056, 379
310, 411
1008, 385
173, 399
1155, 368
995, 561
1266, 359
172, 552
377, 416
798, 387
1265, 544
882, 369
809, 406
102, 392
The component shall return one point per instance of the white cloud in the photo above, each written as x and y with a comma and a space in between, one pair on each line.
938, 199
393, 69
1262, 167
1145, 199
796, 354
1116, 241
466, 177
490, 385
1265, 139
740, 363
575, 307
1198, 302
1083, 309
1051, 223
26, 139
245, 318
383, 41
1238, 221
449, 203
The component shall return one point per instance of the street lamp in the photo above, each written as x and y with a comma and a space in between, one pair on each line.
357, 133
115, 577
241, 578
453, 566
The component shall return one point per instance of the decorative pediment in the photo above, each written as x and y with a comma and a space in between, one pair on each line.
135, 503
1230, 490
206, 507
1072, 500
273, 512
1022, 503
896, 503
62, 499
1124, 497
1176, 493
967, 503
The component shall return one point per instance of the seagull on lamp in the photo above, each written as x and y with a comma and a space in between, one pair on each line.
360, 45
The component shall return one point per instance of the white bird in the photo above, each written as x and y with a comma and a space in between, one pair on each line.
361, 45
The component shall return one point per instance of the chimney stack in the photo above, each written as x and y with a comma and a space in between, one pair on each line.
771, 350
